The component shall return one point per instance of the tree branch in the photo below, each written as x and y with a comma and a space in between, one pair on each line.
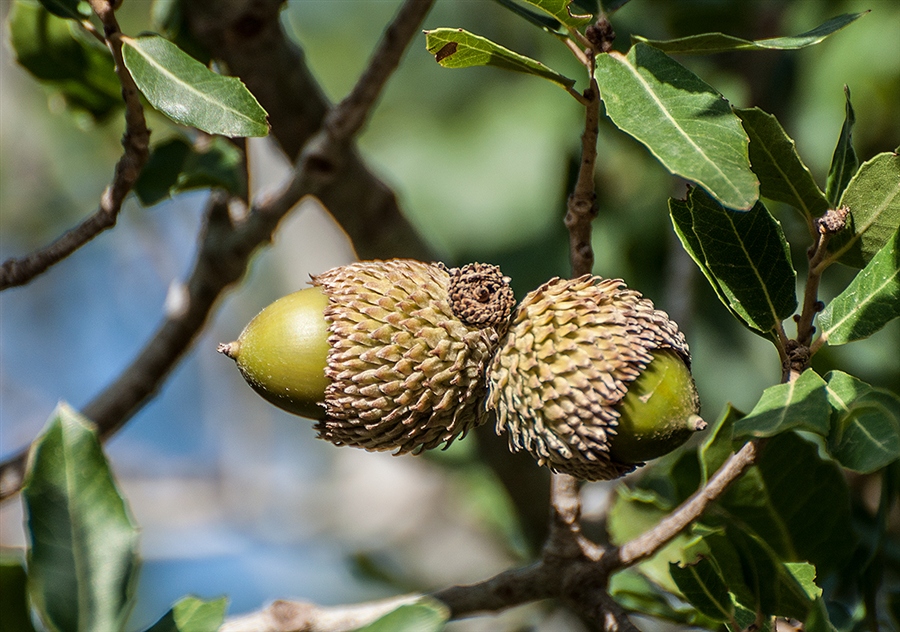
226, 249
136, 143
582, 208
248, 37
668, 528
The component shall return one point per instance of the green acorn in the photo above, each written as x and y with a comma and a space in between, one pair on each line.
388, 355
592, 380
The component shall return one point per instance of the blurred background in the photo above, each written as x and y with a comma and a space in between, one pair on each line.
237, 498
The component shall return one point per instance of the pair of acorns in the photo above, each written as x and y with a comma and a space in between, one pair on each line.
406, 356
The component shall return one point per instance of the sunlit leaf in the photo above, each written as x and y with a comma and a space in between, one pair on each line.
844, 162
801, 404
782, 174
873, 197
683, 121
188, 92
865, 435
719, 42
191, 614
561, 11
58, 55
425, 615
15, 614
456, 48
744, 256
82, 561
870, 301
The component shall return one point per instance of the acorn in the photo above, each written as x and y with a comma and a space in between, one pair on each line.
592, 380
387, 355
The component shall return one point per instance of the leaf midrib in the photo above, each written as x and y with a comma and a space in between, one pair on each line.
872, 219
190, 88
871, 297
633, 70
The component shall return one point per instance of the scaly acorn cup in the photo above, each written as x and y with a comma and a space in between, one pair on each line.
592, 380
388, 355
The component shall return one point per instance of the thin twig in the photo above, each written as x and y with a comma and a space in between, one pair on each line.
136, 143
668, 528
581, 208
222, 260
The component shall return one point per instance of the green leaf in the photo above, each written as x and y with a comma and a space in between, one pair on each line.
870, 302
717, 446
456, 48
703, 587
865, 436
801, 404
425, 615
58, 55
82, 562
535, 17
176, 166
632, 513
782, 174
719, 42
744, 256
805, 575
634, 592
188, 92
191, 614
15, 613
873, 197
817, 620
844, 162
842, 389
795, 501
561, 10
683, 121
73, 9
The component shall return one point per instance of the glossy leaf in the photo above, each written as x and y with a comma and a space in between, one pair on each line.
870, 301
55, 53
456, 48
703, 587
844, 162
190, 93
683, 121
561, 11
719, 42
82, 561
72, 9
191, 614
15, 613
842, 389
717, 446
865, 435
744, 256
782, 174
176, 166
795, 501
425, 615
873, 197
801, 404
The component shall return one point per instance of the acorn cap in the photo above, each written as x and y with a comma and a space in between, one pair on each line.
572, 350
409, 343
